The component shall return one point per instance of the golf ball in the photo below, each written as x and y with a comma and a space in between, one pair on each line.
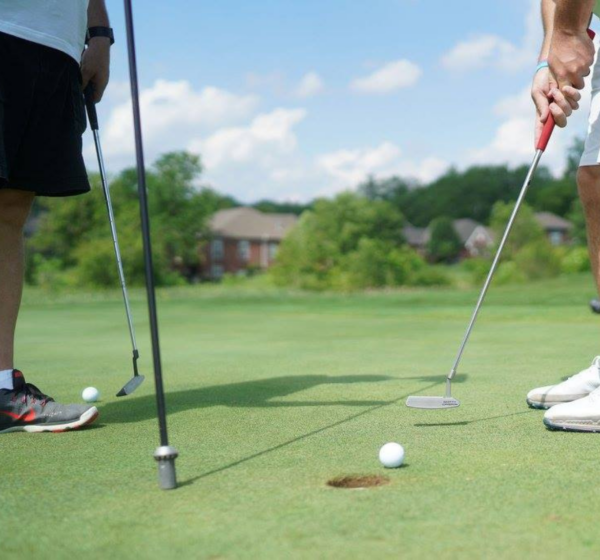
91, 394
391, 455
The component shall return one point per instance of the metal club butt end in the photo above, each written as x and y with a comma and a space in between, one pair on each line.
165, 457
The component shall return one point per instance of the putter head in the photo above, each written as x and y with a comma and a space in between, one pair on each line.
131, 386
432, 402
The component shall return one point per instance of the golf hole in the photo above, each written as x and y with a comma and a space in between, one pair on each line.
365, 481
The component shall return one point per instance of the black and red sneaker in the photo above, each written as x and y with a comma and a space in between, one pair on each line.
27, 409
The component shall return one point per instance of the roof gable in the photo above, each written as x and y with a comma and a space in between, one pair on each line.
249, 223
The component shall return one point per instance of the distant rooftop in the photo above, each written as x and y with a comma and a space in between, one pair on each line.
249, 223
551, 221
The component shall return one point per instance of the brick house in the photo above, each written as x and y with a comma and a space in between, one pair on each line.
242, 239
477, 239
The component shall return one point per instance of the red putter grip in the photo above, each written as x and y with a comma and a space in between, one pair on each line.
550, 124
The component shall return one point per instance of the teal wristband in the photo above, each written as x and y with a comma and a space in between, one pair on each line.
542, 64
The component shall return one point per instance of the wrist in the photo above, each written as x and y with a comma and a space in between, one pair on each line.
570, 31
99, 42
100, 32
542, 65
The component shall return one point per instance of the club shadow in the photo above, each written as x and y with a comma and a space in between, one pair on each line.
262, 393
468, 422
459, 378
305, 436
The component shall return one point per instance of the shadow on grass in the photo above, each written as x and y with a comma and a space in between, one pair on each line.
248, 394
459, 378
467, 422
260, 393
305, 436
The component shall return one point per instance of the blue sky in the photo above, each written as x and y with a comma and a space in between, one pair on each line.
291, 100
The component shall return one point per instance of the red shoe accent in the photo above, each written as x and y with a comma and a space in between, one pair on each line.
29, 417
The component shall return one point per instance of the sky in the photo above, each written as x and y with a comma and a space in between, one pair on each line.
290, 100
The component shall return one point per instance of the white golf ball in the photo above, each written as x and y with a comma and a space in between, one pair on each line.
91, 394
391, 455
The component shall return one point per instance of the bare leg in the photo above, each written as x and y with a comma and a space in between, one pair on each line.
14, 209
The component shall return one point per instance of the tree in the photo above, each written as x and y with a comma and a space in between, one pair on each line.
528, 253
349, 242
273, 207
74, 232
444, 244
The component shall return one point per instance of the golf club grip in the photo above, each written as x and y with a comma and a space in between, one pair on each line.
88, 95
550, 124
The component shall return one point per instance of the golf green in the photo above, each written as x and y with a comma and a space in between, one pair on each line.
273, 394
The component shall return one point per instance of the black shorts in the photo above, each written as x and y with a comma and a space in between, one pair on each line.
42, 120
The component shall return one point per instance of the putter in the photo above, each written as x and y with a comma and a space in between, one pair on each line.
137, 379
165, 455
447, 401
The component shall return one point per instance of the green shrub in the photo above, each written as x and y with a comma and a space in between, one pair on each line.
444, 244
478, 269
575, 259
509, 273
538, 260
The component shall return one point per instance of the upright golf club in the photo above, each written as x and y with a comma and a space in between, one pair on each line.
137, 379
447, 401
165, 455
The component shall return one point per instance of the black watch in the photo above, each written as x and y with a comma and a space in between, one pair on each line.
100, 32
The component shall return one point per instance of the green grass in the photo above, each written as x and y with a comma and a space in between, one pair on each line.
271, 394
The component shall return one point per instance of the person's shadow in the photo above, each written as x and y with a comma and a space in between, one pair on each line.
262, 393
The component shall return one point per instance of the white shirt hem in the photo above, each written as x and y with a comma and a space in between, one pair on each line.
40, 38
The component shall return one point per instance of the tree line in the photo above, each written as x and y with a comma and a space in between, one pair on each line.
353, 240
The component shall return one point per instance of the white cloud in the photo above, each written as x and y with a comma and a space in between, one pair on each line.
310, 85
478, 52
489, 50
267, 137
391, 77
513, 141
348, 168
172, 112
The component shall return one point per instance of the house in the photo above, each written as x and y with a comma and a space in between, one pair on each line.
243, 239
416, 238
557, 229
478, 239
475, 238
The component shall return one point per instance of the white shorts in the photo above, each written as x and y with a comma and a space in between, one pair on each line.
591, 151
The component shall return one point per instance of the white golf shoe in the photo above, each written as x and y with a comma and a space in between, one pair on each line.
574, 388
582, 415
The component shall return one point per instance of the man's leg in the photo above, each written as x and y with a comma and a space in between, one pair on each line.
584, 414
14, 209
580, 385
23, 407
588, 182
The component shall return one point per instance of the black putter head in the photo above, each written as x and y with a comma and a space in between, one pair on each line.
136, 380
131, 385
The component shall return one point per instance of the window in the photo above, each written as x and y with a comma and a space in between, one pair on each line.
217, 249
273, 247
216, 272
556, 238
244, 250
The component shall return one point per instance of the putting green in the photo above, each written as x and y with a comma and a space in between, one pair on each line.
271, 395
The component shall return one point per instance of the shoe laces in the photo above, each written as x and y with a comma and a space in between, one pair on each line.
29, 391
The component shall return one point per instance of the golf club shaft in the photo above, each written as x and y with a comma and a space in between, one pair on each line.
145, 219
524, 189
115, 237
541, 148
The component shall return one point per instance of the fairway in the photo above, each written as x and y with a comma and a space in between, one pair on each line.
272, 394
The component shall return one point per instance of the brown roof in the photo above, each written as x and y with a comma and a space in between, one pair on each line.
551, 221
249, 223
